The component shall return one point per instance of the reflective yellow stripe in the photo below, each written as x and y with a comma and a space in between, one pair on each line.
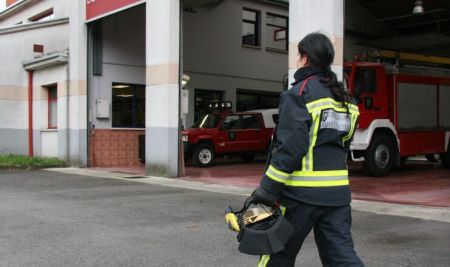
317, 183
277, 175
321, 173
318, 178
352, 129
331, 103
275, 178
313, 142
264, 259
285, 174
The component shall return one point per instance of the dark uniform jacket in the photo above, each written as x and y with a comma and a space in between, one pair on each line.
313, 139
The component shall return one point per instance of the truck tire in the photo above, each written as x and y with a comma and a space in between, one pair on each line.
247, 157
379, 157
203, 155
445, 159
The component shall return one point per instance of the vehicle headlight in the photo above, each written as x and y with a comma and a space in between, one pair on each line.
185, 138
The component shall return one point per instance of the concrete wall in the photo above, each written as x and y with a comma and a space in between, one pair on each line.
60, 10
15, 48
214, 58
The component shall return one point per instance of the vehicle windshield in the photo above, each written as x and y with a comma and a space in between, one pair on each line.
208, 121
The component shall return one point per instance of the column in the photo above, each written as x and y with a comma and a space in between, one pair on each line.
162, 87
72, 135
325, 16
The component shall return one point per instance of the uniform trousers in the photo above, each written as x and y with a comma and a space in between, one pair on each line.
331, 226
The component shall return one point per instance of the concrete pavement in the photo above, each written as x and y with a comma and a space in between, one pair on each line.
79, 217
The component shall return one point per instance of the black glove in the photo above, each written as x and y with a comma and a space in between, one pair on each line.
261, 196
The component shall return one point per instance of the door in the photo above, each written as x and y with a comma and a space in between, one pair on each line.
369, 90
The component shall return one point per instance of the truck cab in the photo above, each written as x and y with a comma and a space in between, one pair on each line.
223, 132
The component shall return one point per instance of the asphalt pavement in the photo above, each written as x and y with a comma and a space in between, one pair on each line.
86, 218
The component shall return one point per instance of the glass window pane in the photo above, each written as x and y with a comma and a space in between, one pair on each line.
276, 32
370, 83
249, 15
276, 20
249, 33
232, 123
53, 114
250, 122
122, 107
52, 93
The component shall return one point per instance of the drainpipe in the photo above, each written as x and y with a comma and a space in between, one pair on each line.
30, 113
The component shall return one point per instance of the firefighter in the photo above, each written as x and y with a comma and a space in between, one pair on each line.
308, 173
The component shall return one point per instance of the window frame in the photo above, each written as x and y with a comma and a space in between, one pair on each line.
134, 105
286, 29
51, 100
257, 27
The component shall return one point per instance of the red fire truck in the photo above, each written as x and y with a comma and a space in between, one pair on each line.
405, 111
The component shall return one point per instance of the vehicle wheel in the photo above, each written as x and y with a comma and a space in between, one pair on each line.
432, 157
203, 155
445, 159
379, 157
247, 157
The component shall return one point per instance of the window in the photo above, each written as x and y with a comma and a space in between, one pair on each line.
276, 32
254, 100
232, 122
365, 81
202, 99
250, 122
128, 105
250, 27
52, 107
43, 16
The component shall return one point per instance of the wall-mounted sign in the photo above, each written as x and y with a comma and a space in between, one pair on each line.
96, 9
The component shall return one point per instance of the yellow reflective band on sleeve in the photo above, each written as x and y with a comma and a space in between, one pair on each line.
284, 174
277, 175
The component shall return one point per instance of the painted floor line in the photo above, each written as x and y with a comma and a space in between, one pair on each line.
403, 210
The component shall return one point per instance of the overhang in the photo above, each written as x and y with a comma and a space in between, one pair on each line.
46, 61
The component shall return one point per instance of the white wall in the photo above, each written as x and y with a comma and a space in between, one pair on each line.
60, 10
16, 48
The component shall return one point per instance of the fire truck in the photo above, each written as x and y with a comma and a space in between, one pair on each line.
404, 112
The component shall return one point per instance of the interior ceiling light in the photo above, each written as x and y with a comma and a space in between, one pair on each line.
418, 8
120, 86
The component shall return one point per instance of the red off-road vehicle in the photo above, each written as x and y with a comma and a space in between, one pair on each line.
223, 133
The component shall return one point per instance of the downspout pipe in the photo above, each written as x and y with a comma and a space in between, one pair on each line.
30, 113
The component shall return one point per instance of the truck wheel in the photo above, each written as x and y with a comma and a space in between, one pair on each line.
203, 155
247, 157
379, 157
445, 159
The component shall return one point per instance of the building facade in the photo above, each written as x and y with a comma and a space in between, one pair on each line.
81, 80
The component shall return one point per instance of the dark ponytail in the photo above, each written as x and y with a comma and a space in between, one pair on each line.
320, 52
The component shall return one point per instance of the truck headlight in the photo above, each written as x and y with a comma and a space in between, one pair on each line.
185, 138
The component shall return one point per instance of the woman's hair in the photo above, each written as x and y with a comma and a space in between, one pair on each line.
320, 53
